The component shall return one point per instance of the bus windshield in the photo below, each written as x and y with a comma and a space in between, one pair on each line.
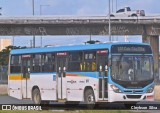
132, 68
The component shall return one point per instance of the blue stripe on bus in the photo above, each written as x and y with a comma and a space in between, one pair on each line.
83, 74
69, 48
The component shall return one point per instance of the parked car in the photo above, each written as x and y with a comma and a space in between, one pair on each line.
127, 12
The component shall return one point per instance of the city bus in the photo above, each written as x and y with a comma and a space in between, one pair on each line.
91, 73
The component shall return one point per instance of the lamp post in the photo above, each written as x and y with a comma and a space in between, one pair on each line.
34, 45
0, 10
116, 5
41, 6
109, 22
33, 7
13, 41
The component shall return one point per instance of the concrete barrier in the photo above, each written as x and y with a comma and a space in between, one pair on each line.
3, 89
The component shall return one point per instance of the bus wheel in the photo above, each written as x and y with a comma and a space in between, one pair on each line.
36, 97
89, 98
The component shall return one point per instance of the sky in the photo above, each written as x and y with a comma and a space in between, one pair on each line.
72, 7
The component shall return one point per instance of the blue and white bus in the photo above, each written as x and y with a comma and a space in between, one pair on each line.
108, 72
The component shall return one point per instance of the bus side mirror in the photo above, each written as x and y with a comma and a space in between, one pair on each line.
64, 71
100, 68
28, 70
59, 71
106, 68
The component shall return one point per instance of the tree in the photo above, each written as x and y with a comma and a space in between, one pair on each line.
4, 54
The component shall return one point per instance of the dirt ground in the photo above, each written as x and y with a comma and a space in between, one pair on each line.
3, 89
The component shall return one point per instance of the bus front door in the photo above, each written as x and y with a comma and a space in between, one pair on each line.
25, 76
102, 59
61, 72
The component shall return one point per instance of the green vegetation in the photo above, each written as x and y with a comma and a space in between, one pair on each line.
4, 54
77, 111
3, 94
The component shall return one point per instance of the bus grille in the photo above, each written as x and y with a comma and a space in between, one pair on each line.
134, 96
133, 91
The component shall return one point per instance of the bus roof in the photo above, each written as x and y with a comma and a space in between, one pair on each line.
71, 48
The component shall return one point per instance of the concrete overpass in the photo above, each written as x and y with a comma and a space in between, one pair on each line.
78, 25
148, 27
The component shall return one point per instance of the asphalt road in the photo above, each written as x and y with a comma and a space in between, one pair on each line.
10, 100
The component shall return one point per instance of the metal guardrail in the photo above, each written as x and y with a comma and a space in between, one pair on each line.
75, 19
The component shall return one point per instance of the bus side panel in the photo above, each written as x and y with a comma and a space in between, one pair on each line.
76, 86
14, 89
46, 83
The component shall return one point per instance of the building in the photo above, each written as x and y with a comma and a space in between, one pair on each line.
4, 43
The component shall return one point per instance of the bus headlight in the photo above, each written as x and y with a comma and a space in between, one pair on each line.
150, 89
116, 89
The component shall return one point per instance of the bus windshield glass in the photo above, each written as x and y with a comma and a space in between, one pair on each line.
132, 68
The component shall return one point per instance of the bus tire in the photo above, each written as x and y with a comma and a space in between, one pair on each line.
36, 96
89, 98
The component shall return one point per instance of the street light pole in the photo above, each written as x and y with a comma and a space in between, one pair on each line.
116, 5
33, 6
41, 14
13, 41
34, 45
0, 10
109, 22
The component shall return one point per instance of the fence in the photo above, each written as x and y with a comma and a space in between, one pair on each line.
3, 74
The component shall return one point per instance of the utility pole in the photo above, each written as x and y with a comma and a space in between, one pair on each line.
41, 6
34, 40
116, 5
0, 10
13, 41
109, 22
112, 6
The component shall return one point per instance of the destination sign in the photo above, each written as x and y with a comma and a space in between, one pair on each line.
143, 49
62, 54
26, 56
102, 51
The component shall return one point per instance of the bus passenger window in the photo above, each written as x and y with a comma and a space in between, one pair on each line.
75, 60
93, 66
89, 63
37, 63
48, 62
15, 64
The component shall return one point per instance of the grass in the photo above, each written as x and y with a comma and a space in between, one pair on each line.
77, 111
5, 94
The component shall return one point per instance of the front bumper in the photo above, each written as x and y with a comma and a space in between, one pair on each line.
124, 97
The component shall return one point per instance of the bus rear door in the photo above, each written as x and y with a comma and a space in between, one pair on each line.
102, 63
61, 60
